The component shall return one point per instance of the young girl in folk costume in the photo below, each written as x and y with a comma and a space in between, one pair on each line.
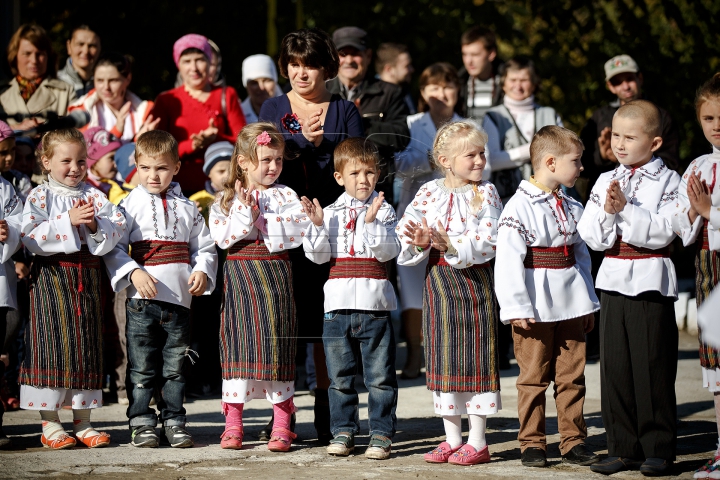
697, 221
68, 225
453, 220
258, 220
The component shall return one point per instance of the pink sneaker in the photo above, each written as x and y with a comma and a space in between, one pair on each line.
441, 453
467, 455
281, 440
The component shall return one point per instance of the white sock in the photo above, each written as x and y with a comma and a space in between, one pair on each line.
453, 430
51, 426
81, 423
476, 438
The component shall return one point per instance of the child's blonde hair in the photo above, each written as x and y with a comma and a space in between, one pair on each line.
356, 149
52, 139
552, 140
644, 111
156, 143
454, 138
247, 145
709, 92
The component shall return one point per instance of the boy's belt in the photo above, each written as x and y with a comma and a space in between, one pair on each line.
550, 257
254, 251
437, 258
151, 253
705, 239
625, 251
358, 268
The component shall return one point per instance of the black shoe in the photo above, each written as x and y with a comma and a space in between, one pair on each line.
534, 457
177, 437
655, 467
612, 465
144, 436
580, 455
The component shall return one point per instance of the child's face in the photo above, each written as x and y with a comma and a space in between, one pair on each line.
358, 178
67, 164
105, 167
568, 167
468, 166
630, 143
709, 119
7, 154
156, 173
219, 173
24, 159
268, 168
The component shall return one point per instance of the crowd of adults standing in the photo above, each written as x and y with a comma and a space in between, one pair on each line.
331, 94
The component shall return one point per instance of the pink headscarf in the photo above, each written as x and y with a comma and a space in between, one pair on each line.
191, 40
5, 131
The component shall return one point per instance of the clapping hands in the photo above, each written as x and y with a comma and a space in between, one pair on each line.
313, 210
312, 128
699, 195
83, 213
246, 197
205, 137
615, 200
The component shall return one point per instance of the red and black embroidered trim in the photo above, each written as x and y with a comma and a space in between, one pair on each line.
154, 252
625, 251
358, 268
254, 251
550, 257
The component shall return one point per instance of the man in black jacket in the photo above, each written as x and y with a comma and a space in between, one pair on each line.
381, 104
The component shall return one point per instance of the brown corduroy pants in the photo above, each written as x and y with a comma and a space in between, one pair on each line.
553, 351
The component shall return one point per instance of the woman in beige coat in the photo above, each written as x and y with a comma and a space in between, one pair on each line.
34, 90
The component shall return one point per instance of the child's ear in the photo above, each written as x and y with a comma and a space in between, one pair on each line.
45, 161
657, 143
339, 179
177, 167
444, 161
242, 161
550, 163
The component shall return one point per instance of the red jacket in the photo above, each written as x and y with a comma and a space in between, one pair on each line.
181, 115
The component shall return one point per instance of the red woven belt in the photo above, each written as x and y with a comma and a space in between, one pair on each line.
438, 258
705, 240
625, 251
154, 252
550, 257
254, 251
358, 268
81, 259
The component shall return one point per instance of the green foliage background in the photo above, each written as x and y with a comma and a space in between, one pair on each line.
676, 42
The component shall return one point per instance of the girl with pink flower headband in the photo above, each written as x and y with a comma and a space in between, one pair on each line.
257, 221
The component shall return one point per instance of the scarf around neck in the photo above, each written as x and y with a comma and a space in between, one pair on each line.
28, 87
519, 106
64, 190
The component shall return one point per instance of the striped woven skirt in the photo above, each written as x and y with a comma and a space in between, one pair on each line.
707, 275
63, 339
460, 329
258, 331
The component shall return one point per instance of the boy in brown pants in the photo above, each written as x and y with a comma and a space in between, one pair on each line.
551, 308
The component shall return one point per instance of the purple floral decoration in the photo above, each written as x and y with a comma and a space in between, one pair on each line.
291, 123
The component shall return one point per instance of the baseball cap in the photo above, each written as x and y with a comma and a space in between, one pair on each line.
99, 142
125, 161
215, 153
620, 64
350, 37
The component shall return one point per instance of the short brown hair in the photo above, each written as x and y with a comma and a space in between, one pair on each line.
356, 149
440, 73
54, 138
552, 140
36, 35
710, 91
480, 34
313, 48
520, 63
387, 54
644, 111
156, 143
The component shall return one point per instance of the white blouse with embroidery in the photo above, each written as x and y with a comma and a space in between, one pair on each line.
651, 192
345, 234
282, 223
46, 226
12, 213
707, 167
175, 220
473, 234
533, 218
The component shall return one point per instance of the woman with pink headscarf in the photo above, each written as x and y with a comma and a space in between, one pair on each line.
197, 113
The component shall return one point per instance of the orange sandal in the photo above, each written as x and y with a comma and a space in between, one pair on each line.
100, 440
281, 440
230, 440
62, 442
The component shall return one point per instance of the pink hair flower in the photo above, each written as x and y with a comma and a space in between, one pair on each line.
263, 139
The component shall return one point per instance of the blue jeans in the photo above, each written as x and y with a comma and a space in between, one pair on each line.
157, 343
368, 335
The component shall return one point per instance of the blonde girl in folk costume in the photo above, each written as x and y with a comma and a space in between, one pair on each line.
68, 225
697, 220
257, 220
453, 220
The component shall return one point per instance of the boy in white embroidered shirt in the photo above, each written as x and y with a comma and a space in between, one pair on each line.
628, 216
357, 235
552, 309
172, 258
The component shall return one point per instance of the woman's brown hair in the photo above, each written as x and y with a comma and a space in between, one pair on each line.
441, 73
36, 35
246, 146
311, 47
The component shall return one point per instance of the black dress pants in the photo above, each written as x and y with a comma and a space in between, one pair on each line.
638, 366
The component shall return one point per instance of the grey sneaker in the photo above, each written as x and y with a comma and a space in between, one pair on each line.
342, 445
379, 448
177, 437
145, 436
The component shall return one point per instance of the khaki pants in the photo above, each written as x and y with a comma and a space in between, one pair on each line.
553, 351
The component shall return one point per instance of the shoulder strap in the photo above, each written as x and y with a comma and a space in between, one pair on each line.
512, 119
